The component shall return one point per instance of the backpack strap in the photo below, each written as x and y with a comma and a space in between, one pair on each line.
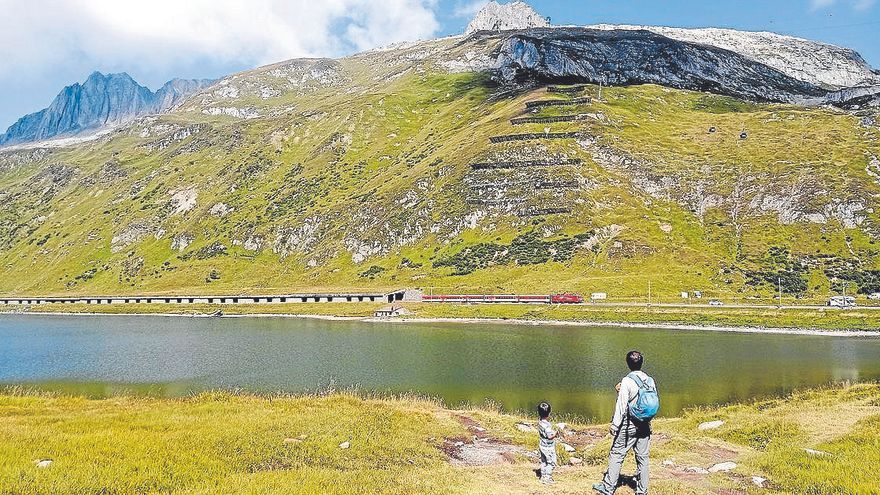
634, 377
641, 383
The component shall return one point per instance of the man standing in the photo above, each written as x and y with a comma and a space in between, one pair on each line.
637, 403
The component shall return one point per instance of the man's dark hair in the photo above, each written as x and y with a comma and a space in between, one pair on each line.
634, 360
544, 410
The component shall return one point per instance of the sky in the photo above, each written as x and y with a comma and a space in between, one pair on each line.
48, 44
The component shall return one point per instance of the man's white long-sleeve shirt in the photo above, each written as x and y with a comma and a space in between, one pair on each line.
629, 389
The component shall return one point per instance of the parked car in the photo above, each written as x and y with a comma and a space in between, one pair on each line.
715, 302
875, 296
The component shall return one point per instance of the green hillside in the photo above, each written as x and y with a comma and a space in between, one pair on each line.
357, 174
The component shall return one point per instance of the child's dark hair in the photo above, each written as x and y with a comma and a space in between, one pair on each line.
544, 410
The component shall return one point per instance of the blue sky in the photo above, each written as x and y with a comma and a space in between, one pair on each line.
47, 44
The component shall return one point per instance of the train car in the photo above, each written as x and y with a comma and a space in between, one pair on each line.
566, 299
503, 299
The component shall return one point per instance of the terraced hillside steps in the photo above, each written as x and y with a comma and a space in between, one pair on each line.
549, 120
557, 185
570, 90
533, 136
526, 164
558, 103
540, 212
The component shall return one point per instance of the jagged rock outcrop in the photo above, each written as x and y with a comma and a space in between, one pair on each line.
504, 17
642, 57
817, 63
101, 101
854, 98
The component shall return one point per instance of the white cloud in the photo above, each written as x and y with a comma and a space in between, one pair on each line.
858, 5
468, 9
37, 35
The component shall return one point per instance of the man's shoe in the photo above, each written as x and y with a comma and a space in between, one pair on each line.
600, 488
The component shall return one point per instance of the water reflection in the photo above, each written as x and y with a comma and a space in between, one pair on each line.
574, 368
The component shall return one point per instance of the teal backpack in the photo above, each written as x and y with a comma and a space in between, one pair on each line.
646, 403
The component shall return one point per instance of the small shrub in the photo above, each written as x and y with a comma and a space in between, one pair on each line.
372, 272
206, 252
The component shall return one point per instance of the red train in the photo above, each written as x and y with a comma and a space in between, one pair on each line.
504, 298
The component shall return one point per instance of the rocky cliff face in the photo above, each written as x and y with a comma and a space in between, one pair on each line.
504, 17
102, 100
641, 57
175, 91
855, 98
818, 63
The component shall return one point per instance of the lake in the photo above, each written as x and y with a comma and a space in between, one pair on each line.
575, 368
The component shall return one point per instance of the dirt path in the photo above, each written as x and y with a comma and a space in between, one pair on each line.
497, 465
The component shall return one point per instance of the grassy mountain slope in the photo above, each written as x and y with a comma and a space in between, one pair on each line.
356, 174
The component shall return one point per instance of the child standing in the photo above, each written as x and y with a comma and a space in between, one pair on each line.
547, 445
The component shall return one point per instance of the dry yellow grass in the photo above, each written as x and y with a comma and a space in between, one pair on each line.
222, 443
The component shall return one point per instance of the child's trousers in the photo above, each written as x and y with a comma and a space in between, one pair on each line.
548, 460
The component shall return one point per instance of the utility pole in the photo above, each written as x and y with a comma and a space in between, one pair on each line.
779, 282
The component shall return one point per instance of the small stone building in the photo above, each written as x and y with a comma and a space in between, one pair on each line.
391, 311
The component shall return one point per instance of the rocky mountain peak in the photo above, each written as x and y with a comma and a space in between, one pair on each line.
102, 100
502, 17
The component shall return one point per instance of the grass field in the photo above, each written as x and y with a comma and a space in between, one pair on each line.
221, 443
808, 318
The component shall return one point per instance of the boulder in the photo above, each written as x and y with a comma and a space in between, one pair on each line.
669, 463
525, 428
760, 482
568, 448
817, 453
575, 461
43, 463
723, 467
344, 445
710, 425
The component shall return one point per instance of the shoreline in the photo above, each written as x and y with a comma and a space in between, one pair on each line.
497, 321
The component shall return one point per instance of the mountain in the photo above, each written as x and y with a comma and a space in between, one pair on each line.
503, 17
175, 91
642, 57
817, 63
101, 101
491, 162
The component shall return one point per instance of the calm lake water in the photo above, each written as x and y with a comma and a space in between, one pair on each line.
516, 366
